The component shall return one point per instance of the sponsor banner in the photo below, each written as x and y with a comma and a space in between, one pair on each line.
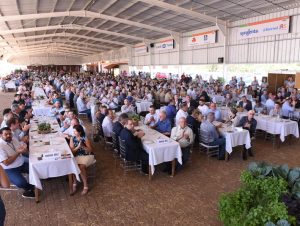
165, 44
141, 49
264, 28
203, 38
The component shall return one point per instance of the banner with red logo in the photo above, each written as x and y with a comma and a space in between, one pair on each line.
274, 26
140, 49
203, 38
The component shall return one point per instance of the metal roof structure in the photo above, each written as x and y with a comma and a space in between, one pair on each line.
86, 27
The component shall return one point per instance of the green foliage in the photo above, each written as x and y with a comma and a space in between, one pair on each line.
221, 80
44, 126
292, 176
255, 203
134, 117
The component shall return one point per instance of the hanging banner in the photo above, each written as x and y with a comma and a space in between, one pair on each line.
141, 49
165, 44
264, 28
203, 38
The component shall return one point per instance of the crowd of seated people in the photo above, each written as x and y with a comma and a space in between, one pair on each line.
178, 104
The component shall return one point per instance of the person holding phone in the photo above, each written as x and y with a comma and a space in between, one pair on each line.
82, 150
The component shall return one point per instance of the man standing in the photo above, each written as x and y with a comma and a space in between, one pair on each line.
12, 161
213, 135
249, 123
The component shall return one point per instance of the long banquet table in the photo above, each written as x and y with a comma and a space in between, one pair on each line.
276, 126
43, 144
40, 107
166, 151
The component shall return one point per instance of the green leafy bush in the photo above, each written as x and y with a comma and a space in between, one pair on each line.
44, 126
292, 176
134, 117
257, 202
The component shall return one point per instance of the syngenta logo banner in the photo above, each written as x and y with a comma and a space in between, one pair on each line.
264, 28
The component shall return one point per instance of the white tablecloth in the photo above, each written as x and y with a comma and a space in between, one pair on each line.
40, 107
42, 169
283, 127
235, 138
10, 85
38, 91
143, 106
159, 153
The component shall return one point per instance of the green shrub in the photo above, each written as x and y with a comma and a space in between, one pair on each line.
257, 202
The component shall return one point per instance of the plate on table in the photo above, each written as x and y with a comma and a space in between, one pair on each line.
148, 142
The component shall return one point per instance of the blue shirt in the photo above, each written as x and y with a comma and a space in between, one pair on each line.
171, 111
287, 109
210, 131
163, 126
218, 115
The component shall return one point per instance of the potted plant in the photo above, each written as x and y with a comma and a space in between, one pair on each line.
44, 128
135, 118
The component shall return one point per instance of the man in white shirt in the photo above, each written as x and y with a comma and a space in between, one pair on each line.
270, 103
185, 137
182, 113
20, 133
56, 109
107, 125
203, 108
112, 101
82, 106
12, 161
7, 116
152, 117
70, 131
66, 123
